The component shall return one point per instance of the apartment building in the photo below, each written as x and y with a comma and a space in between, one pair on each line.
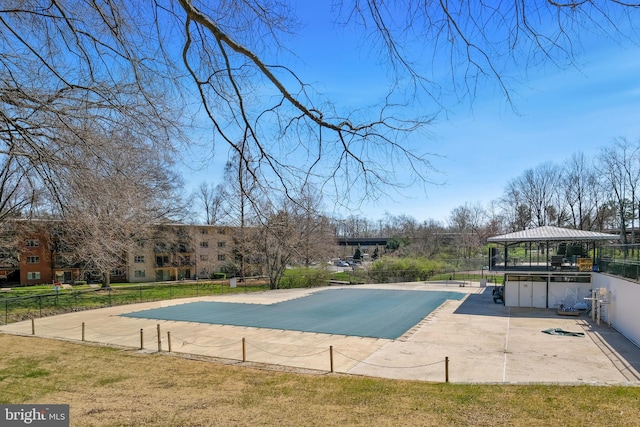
25, 253
35, 259
174, 252
181, 251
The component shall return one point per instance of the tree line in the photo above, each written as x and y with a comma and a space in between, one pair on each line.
99, 99
596, 194
599, 193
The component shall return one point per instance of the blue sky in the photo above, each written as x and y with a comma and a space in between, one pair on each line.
562, 113
482, 145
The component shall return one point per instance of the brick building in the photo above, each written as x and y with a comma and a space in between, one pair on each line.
176, 251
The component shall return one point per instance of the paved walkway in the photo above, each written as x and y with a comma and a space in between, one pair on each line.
482, 341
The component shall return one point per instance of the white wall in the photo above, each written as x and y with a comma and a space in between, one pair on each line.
624, 310
567, 293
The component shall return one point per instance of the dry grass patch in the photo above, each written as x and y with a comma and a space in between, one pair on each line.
115, 387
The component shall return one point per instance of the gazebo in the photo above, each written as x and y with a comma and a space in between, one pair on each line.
543, 238
547, 267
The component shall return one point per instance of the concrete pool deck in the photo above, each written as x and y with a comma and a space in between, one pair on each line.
482, 341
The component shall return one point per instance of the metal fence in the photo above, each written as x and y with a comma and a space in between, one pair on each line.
620, 260
16, 309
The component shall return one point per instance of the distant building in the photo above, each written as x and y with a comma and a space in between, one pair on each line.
180, 251
35, 258
37, 255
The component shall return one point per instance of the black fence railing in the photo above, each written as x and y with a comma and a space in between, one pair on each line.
18, 308
15, 309
626, 269
620, 260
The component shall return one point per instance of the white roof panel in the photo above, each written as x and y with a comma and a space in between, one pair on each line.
548, 233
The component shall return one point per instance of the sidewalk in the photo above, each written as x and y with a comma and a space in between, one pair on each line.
489, 343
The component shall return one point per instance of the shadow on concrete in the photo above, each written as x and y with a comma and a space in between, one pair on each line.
481, 304
624, 354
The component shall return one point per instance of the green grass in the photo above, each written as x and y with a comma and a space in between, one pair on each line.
490, 277
39, 301
350, 276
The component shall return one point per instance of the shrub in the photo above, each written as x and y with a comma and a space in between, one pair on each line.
304, 278
405, 269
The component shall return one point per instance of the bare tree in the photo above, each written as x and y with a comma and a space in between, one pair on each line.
17, 190
295, 232
139, 65
429, 239
580, 191
467, 221
19, 196
113, 203
538, 188
618, 166
354, 226
278, 245
481, 40
515, 210
210, 199
314, 229
495, 219
241, 199
64, 79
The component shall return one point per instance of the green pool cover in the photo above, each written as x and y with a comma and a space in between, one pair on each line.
559, 331
376, 313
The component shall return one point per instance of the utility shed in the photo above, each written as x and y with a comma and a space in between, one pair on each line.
546, 267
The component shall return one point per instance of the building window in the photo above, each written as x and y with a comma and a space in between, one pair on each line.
139, 273
138, 258
222, 231
204, 244
33, 259
117, 272
33, 275
221, 244
222, 257
204, 257
32, 243
204, 231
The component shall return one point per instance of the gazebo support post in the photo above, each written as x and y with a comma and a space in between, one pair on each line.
547, 249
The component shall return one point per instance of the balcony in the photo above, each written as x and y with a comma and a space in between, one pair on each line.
165, 263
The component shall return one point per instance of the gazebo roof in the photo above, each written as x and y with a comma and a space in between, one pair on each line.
548, 233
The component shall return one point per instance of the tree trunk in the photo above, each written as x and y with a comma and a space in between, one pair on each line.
106, 281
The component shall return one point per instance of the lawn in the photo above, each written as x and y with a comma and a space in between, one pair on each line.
37, 301
116, 387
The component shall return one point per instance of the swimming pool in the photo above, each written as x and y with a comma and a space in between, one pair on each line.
376, 313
